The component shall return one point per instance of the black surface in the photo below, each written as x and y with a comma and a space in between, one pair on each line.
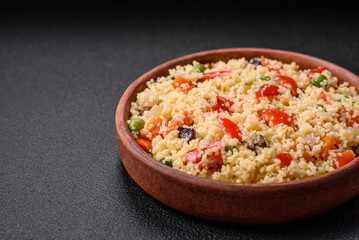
62, 75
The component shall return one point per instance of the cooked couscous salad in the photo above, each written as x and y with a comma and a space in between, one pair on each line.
248, 121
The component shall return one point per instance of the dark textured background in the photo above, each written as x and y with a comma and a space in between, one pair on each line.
62, 73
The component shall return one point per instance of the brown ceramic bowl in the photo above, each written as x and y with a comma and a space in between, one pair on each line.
231, 202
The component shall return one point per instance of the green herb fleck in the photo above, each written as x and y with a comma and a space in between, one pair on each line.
322, 106
265, 78
166, 162
230, 148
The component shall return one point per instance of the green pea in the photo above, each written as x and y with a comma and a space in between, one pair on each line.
166, 162
265, 78
230, 148
318, 81
136, 124
201, 67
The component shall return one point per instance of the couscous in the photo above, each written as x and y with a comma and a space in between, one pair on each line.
248, 121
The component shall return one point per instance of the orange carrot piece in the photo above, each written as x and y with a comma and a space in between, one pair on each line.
306, 155
264, 61
144, 144
152, 126
182, 83
188, 119
323, 95
329, 144
344, 158
346, 116
172, 125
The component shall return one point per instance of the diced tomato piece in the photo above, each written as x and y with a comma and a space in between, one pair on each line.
182, 84
151, 128
329, 144
214, 74
285, 159
275, 68
231, 128
267, 90
213, 160
316, 70
344, 158
276, 117
288, 83
145, 144
346, 116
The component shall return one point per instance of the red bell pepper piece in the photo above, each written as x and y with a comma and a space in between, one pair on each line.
231, 128
214, 74
221, 103
317, 70
285, 159
267, 90
276, 117
275, 68
216, 108
288, 83
225, 102
213, 160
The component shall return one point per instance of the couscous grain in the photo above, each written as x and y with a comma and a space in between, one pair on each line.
248, 121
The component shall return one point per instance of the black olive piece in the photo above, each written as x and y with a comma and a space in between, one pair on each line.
258, 141
356, 150
143, 110
186, 133
255, 61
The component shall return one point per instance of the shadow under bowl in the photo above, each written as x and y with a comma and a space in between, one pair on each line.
232, 202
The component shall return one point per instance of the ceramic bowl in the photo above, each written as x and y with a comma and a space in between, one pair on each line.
233, 202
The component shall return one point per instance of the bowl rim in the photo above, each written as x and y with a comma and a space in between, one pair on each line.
123, 132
